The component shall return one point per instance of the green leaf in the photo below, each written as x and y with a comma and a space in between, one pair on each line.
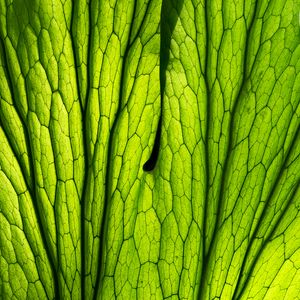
150, 149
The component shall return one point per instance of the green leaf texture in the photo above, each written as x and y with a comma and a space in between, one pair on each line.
206, 93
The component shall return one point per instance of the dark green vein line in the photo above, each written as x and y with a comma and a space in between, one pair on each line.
29, 187
207, 257
263, 214
76, 60
85, 146
104, 220
237, 294
204, 260
22, 166
29, 146
133, 39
